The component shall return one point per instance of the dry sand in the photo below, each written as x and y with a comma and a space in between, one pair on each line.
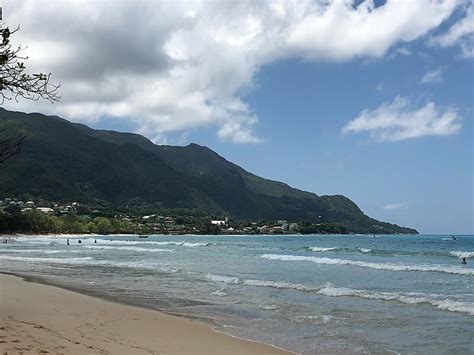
42, 319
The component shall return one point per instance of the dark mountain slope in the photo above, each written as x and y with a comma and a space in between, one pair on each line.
64, 161
60, 162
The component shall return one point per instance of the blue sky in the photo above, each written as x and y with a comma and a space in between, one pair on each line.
370, 100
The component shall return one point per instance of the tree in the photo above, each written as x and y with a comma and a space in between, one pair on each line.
103, 225
15, 83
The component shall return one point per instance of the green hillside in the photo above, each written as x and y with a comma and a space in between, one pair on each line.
63, 161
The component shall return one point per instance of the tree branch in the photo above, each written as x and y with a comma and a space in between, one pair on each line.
11, 147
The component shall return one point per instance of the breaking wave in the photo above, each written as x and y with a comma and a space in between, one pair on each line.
279, 285
83, 260
233, 280
443, 304
39, 251
372, 265
437, 301
462, 254
220, 293
127, 248
222, 278
89, 261
136, 242
321, 249
269, 307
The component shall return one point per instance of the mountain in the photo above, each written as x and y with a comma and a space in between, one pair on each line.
64, 161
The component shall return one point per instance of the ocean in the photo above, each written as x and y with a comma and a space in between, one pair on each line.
319, 293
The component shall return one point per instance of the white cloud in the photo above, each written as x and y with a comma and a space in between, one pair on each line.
395, 206
434, 76
176, 66
461, 33
401, 119
379, 87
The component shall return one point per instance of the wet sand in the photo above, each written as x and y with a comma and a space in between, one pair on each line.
36, 318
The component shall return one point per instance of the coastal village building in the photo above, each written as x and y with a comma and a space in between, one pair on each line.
30, 204
46, 210
219, 222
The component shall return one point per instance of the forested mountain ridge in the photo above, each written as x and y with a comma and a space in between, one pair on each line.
64, 161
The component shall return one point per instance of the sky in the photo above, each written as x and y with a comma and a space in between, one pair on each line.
369, 99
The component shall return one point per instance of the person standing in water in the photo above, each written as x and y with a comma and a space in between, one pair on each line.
464, 262
67, 241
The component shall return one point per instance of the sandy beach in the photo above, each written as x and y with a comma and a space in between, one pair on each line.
36, 318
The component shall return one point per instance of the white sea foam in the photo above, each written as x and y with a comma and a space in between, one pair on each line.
378, 266
365, 250
259, 283
223, 278
325, 318
321, 249
83, 260
44, 242
279, 284
137, 242
443, 304
219, 293
191, 245
39, 251
127, 248
462, 254
270, 307
89, 261
439, 301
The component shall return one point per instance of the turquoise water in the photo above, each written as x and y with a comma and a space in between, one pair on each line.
346, 294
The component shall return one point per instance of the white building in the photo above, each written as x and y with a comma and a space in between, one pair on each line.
218, 222
30, 204
46, 210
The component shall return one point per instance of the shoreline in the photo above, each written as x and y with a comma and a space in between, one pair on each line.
92, 235
49, 326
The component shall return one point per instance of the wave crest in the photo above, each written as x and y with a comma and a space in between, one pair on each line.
372, 265
443, 304
462, 254
322, 249
127, 248
231, 280
437, 301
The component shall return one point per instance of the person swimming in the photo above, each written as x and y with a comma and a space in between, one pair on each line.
464, 262
453, 237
